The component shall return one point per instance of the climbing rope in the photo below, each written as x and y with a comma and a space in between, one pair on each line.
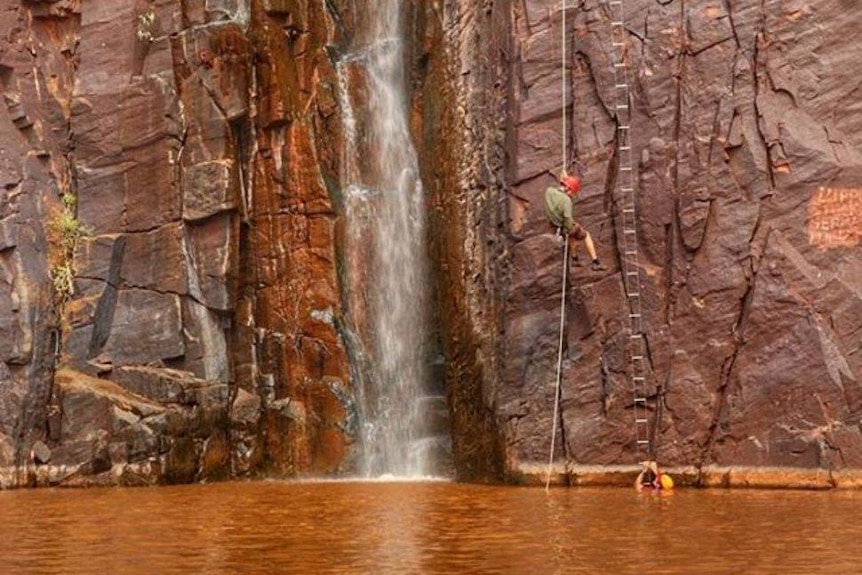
564, 91
565, 136
559, 361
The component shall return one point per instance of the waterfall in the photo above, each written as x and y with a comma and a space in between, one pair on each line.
386, 253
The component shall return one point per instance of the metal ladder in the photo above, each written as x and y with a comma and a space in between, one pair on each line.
626, 199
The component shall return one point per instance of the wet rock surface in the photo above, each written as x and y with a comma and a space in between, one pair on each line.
197, 148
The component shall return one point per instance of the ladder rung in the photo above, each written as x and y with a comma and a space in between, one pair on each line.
643, 441
625, 148
635, 294
639, 378
622, 127
640, 400
631, 252
629, 231
628, 210
626, 86
637, 358
635, 336
634, 315
622, 106
631, 273
618, 23
625, 168
619, 64
641, 420
619, 43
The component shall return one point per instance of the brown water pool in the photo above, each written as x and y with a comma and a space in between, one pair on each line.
426, 528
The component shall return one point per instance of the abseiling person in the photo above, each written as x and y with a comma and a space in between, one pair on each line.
559, 207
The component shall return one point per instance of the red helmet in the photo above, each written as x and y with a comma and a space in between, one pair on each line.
571, 183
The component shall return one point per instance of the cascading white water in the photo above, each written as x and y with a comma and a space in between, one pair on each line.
385, 253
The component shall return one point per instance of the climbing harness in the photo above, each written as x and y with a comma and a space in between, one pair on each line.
627, 201
565, 135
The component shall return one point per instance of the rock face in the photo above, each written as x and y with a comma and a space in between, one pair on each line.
748, 194
171, 235
173, 161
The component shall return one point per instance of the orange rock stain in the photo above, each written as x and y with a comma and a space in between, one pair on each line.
835, 218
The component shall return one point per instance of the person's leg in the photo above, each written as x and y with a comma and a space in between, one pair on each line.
591, 248
577, 234
573, 248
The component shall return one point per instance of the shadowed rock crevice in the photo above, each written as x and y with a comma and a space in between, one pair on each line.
103, 316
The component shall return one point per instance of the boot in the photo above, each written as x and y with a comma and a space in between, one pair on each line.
597, 266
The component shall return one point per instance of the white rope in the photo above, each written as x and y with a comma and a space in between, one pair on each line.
565, 135
564, 91
559, 362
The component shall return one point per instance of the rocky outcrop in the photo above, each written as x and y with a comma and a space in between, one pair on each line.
748, 187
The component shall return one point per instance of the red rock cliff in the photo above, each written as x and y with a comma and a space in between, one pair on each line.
170, 235
168, 244
748, 180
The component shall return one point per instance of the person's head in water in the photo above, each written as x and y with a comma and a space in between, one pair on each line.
571, 184
649, 476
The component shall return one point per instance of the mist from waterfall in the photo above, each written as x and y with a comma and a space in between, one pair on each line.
385, 253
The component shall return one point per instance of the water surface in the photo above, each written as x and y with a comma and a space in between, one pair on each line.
426, 528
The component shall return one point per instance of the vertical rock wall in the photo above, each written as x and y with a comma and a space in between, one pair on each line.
464, 163
170, 304
34, 168
744, 117
290, 357
168, 231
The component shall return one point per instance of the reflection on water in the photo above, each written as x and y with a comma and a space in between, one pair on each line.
426, 528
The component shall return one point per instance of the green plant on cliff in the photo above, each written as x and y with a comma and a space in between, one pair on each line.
63, 278
68, 231
69, 200
146, 22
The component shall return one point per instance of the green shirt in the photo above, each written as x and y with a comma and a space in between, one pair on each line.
558, 207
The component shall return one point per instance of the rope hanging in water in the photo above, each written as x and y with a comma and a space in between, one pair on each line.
565, 136
559, 362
